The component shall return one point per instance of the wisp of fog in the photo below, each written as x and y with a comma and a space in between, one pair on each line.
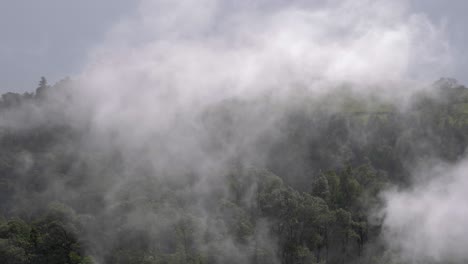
182, 92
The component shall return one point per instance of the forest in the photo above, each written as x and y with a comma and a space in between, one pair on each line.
293, 181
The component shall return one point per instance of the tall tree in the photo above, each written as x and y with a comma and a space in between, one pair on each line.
43, 86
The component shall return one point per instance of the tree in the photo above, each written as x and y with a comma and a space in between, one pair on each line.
11, 99
320, 187
42, 88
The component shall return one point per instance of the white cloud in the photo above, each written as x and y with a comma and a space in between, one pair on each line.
428, 221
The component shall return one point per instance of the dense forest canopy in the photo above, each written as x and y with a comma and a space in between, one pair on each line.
306, 179
223, 131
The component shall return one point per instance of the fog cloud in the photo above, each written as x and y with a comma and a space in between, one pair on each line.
428, 221
153, 92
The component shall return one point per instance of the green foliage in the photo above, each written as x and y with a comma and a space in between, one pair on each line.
309, 202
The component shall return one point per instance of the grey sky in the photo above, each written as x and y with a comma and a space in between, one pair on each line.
52, 37
453, 14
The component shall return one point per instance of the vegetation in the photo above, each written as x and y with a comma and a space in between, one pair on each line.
311, 201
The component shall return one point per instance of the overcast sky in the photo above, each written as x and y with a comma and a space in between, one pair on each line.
52, 37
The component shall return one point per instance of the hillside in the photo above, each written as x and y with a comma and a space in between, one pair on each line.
306, 189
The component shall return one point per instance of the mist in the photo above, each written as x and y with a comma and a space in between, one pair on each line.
425, 222
214, 131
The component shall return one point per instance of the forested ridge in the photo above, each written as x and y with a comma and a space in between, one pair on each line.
313, 198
